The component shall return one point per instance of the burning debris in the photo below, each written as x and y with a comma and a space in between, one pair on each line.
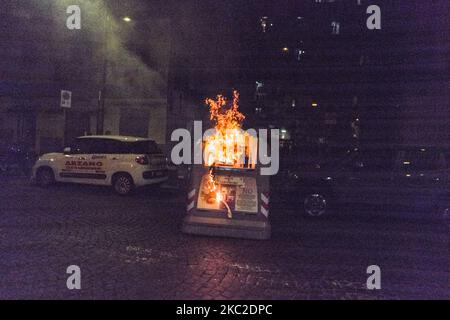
227, 180
228, 145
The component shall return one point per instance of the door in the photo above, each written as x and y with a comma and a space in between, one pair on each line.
78, 124
105, 157
69, 165
83, 164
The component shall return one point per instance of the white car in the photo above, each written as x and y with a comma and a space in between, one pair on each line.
118, 161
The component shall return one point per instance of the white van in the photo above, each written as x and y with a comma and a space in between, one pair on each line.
118, 161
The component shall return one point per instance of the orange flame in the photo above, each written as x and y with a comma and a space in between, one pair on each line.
228, 119
227, 145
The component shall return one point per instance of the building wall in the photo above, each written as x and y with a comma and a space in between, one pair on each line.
50, 131
40, 56
151, 123
394, 80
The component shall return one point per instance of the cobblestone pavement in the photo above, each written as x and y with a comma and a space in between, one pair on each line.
132, 247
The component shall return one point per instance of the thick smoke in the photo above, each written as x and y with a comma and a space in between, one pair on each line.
136, 51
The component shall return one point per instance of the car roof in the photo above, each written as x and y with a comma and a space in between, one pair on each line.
118, 138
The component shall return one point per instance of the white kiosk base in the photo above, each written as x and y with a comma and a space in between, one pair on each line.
224, 227
245, 209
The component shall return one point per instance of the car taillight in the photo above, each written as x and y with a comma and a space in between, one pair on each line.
142, 160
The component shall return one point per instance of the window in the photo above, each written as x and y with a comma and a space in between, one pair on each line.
336, 27
421, 160
144, 147
81, 146
375, 161
111, 146
299, 53
103, 146
265, 24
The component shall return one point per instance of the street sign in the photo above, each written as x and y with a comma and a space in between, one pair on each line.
66, 99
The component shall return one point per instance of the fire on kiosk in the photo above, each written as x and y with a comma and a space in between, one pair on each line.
227, 195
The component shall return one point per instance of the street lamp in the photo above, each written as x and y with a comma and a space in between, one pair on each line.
102, 91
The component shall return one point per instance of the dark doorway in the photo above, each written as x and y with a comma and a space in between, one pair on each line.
78, 124
134, 123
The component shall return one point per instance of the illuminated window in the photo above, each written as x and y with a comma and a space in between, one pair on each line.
265, 24
259, 86
285, 135
336, 27
299, 53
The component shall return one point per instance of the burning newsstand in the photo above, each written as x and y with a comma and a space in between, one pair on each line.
227, 194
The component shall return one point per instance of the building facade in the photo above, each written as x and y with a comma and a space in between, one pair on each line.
115, 68
315, 70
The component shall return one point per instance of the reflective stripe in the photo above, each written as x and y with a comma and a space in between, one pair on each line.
191, 194
190, 206
265, 212
264, 198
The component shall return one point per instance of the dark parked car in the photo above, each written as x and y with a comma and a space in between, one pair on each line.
16, 159
412, 178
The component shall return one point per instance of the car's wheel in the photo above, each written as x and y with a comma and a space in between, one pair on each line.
123, 184
45, 177
315, 205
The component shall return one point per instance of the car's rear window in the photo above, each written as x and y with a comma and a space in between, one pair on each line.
111, 146
145, 147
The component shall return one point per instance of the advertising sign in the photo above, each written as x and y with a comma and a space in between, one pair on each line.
240, 194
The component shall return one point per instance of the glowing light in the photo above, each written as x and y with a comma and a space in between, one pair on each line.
314, 104
126, 19
406, 163
227, 146
285, 49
